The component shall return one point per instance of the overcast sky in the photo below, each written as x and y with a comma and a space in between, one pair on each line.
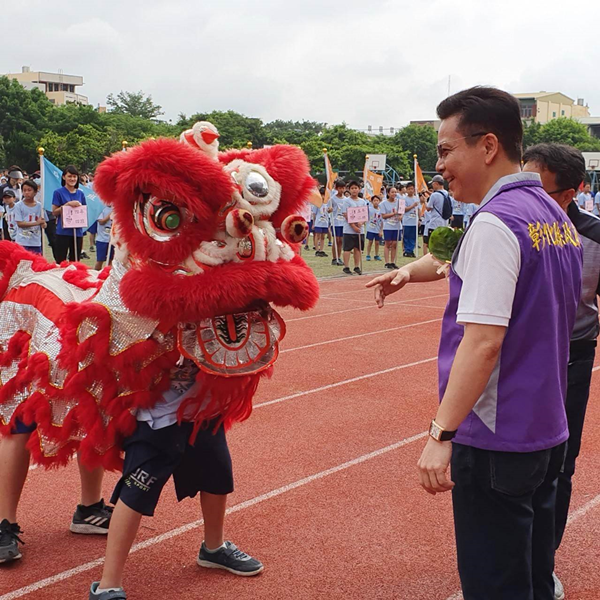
365, 63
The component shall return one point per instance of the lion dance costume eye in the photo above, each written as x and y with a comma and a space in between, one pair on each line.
158, 218
81, 351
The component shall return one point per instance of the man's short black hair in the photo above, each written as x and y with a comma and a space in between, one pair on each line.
32, 184
410, 184
339, 183
565, 162
351, 183
487, 110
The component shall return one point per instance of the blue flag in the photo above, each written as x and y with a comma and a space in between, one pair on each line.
51, 177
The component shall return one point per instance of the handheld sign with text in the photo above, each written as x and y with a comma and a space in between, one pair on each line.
589, 205
358, 214
401, 206
75, 217
306, 212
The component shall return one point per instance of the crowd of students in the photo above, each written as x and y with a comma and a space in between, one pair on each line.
396, 216
23, 218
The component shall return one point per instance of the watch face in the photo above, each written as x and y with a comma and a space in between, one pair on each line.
435, 431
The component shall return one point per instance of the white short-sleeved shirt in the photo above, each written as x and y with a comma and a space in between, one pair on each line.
103, 234
28, 236
488, 262
410, 216
391, 223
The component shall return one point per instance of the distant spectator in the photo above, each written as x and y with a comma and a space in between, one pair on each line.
435, 206
597, 203
68, 195
103, 238
29, 216
9, 225
336, 212
15, 177
585, 196
374, 228
410, 221
391, 213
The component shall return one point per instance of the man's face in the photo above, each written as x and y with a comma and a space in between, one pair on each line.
562, 197
587, 188
461, 165
339, 191
410, 190
375, 202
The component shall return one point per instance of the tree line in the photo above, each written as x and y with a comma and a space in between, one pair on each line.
83, 136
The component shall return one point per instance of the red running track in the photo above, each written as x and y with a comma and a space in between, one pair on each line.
326, 489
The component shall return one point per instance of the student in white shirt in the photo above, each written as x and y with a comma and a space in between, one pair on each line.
392, 211
353, 239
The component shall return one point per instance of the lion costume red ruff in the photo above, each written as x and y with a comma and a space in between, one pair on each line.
203, 249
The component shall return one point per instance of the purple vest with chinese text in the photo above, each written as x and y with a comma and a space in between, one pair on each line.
522, 407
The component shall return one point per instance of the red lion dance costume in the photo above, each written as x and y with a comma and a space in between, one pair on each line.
205, 242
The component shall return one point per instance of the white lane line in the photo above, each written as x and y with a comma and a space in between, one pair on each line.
338, 312
54, 579
574, 516
344, 382
359, 335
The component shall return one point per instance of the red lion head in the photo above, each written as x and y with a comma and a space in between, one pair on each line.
201, 237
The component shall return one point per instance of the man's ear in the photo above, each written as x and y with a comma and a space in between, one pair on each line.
565, 198
492, 147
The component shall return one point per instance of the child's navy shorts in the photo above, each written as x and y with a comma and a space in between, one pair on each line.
389, 235
102, 251
153, 455
372, 235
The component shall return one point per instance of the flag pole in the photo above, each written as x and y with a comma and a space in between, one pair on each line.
41, 191
417, 207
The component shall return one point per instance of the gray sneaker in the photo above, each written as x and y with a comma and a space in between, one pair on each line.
112, 595
231, 559
559, 590
9, 541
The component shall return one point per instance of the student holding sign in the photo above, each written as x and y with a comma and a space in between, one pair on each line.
68, 195
29, 216
103, 238
356, 214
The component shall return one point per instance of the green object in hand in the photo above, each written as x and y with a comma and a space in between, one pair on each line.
443, 242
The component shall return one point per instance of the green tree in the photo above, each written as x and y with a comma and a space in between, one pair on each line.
531, 134
136, 104
85, 146
420, 140
571, 132
23, 116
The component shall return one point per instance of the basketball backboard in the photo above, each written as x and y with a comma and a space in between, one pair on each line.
592, 161
376, 162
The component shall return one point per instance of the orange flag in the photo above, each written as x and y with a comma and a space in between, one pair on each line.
331, 176
419, 179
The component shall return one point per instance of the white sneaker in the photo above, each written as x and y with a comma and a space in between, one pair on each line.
559, 590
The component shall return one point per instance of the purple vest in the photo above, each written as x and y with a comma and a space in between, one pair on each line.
522, 408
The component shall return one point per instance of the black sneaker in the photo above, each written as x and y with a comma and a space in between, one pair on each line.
324, 253
334, 262
389, 266
340, 262
92, 519
84, 255
230, 558
347, 271
394, 266
9, 541
357, 270
112, 595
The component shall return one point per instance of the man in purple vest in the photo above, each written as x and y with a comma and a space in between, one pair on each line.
562, 169
515, 281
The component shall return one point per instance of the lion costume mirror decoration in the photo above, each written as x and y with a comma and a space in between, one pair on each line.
205, 242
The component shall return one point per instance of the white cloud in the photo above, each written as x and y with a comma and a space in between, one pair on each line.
364, 63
